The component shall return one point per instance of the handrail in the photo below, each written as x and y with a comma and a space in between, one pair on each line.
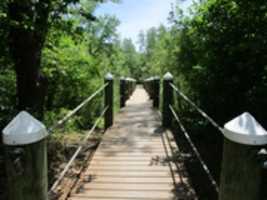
82, 143
40, 149
205, 167
65, 119
75, 110
205, 115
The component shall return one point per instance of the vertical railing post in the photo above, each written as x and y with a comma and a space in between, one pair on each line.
167, 100
156, 92
241, 165
109, 101
26, 158
122, 92
150, 88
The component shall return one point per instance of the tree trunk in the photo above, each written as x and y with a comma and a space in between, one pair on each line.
26, 38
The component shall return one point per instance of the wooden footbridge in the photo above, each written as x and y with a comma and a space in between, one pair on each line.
134, 158
137, 158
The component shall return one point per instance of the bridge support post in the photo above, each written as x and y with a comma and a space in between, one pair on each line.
156, 92
167, 100
242, 164
150, 88
122, 92
26, 158
109, 101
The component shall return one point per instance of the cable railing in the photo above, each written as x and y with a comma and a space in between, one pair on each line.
195, 150
187, 136
75, 110
204, 114
27, 160
129, 87
243, 152
82, 142
76, 153
150, 85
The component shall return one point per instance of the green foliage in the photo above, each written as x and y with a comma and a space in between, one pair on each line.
78, 50
217, 54
223, 53
7, 97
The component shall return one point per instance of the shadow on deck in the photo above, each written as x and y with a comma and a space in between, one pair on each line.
137, 159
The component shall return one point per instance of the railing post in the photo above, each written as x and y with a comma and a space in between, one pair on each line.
241, 165
122, 92
156, 92
150, 88
109, 101
167, 100
26, 158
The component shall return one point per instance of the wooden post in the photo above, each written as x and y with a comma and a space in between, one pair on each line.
26, 159
122, 92
241, 172
150, 88
156, 92
109, 101
167, 100
241, 169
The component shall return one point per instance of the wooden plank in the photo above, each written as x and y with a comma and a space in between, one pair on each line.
127, 163
129, 159
126, 140
134, 180
93, 198
129, 154
126, 194
129, 173
129, 168
128, 187
130, 162
145, 151
131, 144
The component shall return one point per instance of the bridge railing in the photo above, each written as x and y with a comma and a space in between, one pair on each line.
127, 87
152, 86
26, 162
243, 154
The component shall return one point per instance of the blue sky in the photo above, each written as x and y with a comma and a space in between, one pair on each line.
137, 15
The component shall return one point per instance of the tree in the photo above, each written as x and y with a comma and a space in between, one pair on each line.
131, 58
223, 53
29, 22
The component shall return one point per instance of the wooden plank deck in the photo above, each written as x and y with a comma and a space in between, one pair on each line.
134, 160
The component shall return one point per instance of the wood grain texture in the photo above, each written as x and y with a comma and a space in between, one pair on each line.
134, 159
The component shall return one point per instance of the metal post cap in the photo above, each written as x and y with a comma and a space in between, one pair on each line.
168, 76
109, 76
24, 129
244, 129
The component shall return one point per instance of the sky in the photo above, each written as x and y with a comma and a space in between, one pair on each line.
137, 15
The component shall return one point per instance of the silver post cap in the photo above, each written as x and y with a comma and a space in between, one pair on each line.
24, 129
168, 76
109, 76
244, 129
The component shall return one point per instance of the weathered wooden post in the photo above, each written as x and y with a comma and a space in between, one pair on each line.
241, 169
156, 91
122, 92
109, 101
167, 100
145, 85
126, 89
26, 158
150, 88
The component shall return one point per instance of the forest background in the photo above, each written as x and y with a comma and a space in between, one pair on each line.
217, 54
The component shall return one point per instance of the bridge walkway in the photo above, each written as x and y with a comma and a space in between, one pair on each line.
136, 159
